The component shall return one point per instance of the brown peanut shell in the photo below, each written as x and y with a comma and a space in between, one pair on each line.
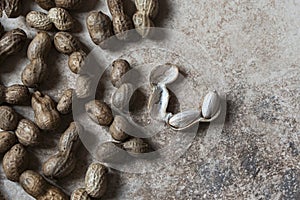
99, 112
46, 115
33, 183
39, 20
7, 140
9, 118
15, 162
64, 105
99, 27
28, 133
96, 180
66, 43
61, 19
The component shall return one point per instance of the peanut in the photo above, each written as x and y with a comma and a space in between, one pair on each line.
39, 20
62, 163
7, 140
58, 165
80, 194
121, 22
119, 68
13, 8
45, 4
35, 72
100, 28
64, 105
14, 94
33, 183
70, 141
36, 186
53, 193
143, 18
12, 42
9, 118
61, 19
76, 61
39, 46
83, 86
68, 4
96, 180
66, 43
136, 146
28, 133
15, 162
46, 115
117, 128
99, 112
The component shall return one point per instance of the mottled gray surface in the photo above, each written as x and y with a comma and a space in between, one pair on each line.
255, 47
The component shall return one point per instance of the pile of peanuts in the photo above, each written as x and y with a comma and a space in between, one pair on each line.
18, 133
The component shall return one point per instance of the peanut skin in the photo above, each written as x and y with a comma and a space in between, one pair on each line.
46, 115
15, 162
100, 28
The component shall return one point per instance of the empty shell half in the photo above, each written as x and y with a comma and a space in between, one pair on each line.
158, 103
121, 98
164, 74
184, 119
211, 104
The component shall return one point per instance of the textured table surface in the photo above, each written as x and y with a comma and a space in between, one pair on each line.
252, 48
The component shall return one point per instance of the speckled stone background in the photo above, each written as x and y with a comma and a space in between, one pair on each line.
255, 45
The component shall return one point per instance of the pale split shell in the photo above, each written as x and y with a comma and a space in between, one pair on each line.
121, 98
164, 74
158, 103
211, 104
184, 119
